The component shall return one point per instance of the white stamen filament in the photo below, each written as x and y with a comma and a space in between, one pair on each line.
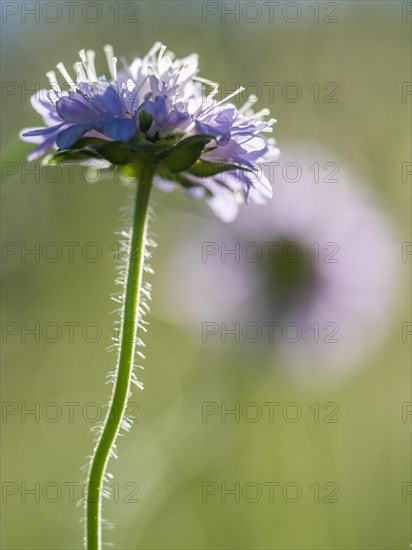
268, 129
82, 55
66, 75
154, 49
211, 95
80, 72
90, 62
178, 73
51, 75
250, 101
260, 114
108, 50
214, 85
114, 62
163, 48
233, 94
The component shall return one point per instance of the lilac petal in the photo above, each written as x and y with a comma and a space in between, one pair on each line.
69, 136
112, 102
93, 89
222, 137
42, 104
131, 100
120, 129
261, 184
102, 120
30, 139
222, 201
256, 180
226, 116
39, 151
160, 110
154, 85
44, 142
43, 131
256, 155
42, 148
73, 110
178, 118
147, 106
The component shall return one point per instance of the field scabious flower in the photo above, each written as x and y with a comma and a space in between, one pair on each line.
156, 108
317, 264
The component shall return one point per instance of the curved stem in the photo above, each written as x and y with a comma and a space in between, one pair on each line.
130, 320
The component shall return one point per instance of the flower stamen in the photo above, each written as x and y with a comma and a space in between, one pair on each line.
91, 54
233, 94
80, 72
51, 75
252, 99
66, 76
111, 60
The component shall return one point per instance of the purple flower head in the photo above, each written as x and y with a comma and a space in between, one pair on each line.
312, 274
155, 110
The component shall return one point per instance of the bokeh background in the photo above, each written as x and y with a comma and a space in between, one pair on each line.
171, 451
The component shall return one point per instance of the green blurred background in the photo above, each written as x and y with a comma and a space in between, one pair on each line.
170, 452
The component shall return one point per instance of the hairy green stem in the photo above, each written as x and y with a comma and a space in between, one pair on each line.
130, 322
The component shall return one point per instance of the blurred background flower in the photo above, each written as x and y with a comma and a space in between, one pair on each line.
313, 274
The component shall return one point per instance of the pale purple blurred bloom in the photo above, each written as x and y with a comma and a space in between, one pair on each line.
351, 286
170, 92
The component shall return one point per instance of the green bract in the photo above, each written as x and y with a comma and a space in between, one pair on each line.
170, 156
